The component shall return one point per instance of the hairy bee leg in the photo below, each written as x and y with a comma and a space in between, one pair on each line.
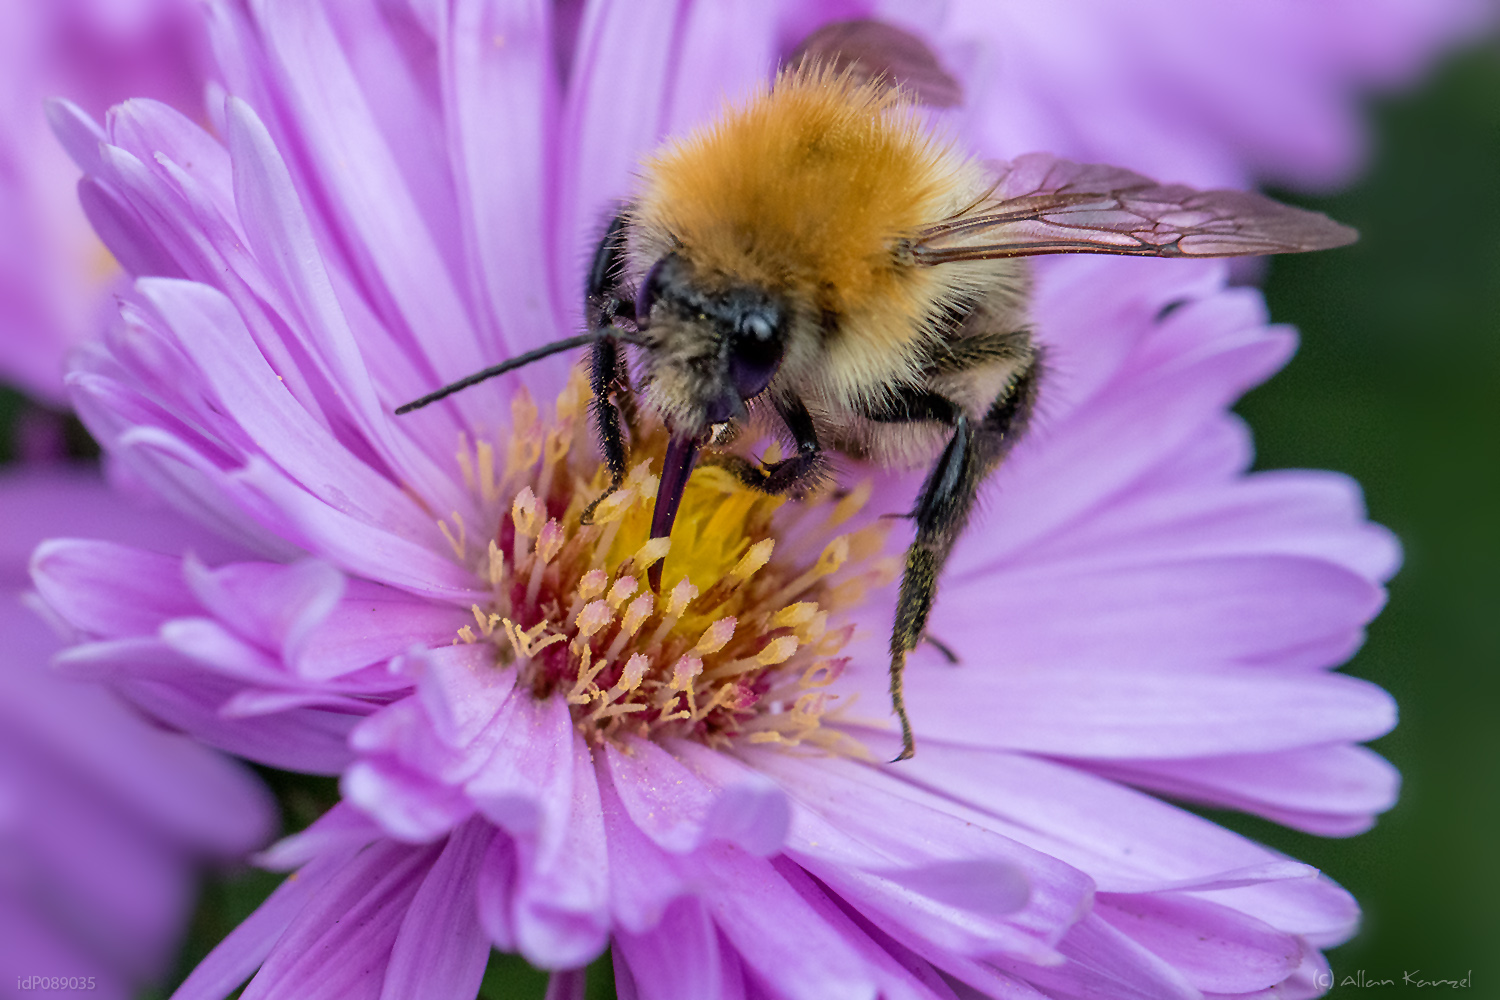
604, 376
603, 305
943, 509
602, 302
794, 474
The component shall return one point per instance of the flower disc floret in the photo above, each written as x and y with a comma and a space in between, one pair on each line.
742, 641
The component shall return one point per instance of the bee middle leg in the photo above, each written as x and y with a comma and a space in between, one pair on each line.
943, 509
793, 475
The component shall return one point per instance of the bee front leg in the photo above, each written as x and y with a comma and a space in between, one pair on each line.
604, 378
794, 475
942, 511
603, 304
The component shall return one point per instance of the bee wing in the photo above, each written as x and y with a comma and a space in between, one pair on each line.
1042, 204
875, 51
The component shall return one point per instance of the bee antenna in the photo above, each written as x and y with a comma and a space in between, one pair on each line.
519, 361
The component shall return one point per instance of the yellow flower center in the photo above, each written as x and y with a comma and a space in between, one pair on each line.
742, 642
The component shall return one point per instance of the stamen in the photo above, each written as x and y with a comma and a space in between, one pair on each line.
778, 650
465, 466
525, 436
640, 609
621, 591
635, 670
682, 595
794, 615
486, 622
592, 584
737, 649
495, 565
526, 516
851, 503
550, 541
593, 618
584, 691
834, 555
753, 560
647, 556
716, 637
488, 487
456, 544
687, 668
635, 616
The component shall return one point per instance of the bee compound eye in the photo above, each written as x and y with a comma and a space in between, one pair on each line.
757, 326
648, 292
755, 353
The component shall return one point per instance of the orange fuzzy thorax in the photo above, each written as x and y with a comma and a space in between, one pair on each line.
809, 188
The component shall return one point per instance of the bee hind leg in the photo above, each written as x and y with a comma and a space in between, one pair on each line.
942, 511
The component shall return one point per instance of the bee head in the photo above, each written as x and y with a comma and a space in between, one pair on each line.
712, 349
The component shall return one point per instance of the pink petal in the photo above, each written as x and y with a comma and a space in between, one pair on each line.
279, 231
526, 786
246, 947
879, 841
612, 116
668, 802
678, 959
496, 886
1157, 615
361, 170
1215, 949
337, 945
1101, 962
408, 806
644, 880
78, 133
341, 830
110, 590
562, 902
1333, 791
501, 101
462, 690
792, 935
441, 949
350, 543
41, 503
250, 396
1128, 841
1081, 712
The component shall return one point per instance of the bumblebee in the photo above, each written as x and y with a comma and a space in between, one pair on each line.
818, 257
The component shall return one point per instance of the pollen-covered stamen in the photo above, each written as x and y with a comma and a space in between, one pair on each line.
734, 646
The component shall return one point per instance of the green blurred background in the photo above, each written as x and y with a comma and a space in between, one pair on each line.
1397, 384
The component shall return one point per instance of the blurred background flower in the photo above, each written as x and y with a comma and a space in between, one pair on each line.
106, 821
1231, 93
1232, 137
55, 275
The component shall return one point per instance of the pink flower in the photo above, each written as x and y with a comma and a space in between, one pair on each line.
105, 819
539, 755
55, 277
